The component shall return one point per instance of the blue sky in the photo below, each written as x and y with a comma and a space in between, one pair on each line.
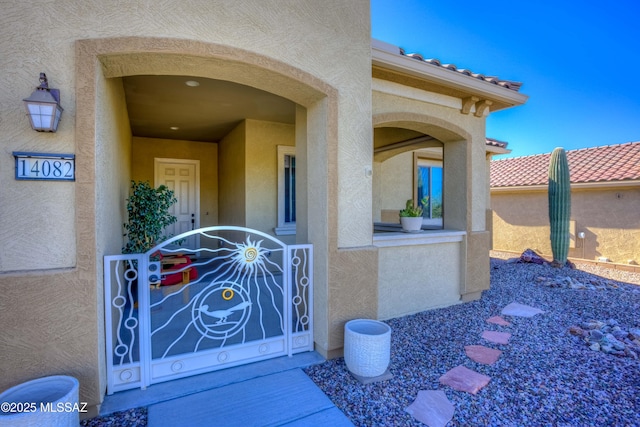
579, 62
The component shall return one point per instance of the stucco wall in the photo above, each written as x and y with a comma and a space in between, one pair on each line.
144, 151
337, 32
269, 42
393, 182
608, 217
232, 176
418, 278
262, 171
114, 153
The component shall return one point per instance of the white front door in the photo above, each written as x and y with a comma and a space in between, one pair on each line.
183, 178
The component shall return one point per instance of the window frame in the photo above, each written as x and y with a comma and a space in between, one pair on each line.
283, 228
422, 160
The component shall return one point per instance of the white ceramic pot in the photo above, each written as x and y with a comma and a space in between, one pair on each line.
411, 223
367, 347
48, 401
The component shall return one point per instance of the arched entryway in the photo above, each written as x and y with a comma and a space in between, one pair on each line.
404, 144
104, 138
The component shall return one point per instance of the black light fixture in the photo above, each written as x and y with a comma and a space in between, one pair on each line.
43, 107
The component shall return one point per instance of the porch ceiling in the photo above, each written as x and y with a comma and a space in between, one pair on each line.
206, 112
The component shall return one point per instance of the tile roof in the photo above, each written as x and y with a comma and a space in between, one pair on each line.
515, 86
598, 164
496, 143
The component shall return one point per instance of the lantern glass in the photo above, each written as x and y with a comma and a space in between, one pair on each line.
43, 108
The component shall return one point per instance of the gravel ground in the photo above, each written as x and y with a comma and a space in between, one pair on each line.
545, 376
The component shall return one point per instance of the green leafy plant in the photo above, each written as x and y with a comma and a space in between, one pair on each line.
559, 206
414, 211
148, 212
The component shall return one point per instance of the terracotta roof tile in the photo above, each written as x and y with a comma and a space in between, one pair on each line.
515, 86
598, 164
496, 143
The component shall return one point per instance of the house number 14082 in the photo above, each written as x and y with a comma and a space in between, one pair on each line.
45, 167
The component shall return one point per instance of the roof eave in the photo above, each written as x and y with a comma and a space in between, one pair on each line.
495, 150
382, 55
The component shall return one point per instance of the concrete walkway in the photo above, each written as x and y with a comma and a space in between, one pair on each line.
274, 392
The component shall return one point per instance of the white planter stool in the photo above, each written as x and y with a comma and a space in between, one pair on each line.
367, 347
48, 401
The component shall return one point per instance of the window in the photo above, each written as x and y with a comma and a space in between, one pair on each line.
286, 190
429, 184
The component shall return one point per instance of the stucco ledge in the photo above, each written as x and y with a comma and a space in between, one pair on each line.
426, 237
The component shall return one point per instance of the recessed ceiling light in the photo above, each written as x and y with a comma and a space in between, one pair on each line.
174, 128
192, 83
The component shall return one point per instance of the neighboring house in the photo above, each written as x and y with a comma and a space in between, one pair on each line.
605, 203
291, 122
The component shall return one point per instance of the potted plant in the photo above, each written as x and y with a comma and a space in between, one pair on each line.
148, 215
411, 216
148, 212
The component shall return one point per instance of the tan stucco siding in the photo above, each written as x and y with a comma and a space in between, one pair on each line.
145, 150
114, 154
393, 184
262, 140
608, 217
521, 221
115, 158
417, 278
232, 175
339, 30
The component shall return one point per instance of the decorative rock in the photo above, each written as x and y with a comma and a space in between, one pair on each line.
595, 335
606, 348
576, 330
464, 379
609, 338
615, 343
496, 337
620, 334
532, 257
432, 408
482, 354
571, 283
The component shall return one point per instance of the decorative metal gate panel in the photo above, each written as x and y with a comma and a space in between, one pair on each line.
242, 296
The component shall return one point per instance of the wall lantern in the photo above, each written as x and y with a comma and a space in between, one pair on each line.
43, 107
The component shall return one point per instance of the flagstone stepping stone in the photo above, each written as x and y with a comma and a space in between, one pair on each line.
498, 320
464, 379
432, 408
516, 309
496, 337
482, 354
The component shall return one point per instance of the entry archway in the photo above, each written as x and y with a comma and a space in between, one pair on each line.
433, 132
103, 140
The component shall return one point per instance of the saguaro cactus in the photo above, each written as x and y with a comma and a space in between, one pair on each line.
559, 206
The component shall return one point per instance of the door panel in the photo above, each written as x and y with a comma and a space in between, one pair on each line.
181, 176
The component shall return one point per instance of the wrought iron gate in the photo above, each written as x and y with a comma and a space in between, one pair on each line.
242, 296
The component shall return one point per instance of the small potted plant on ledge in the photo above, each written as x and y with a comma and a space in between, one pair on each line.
411, 216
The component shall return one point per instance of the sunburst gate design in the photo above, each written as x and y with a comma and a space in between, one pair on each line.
251, 300
249, 255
